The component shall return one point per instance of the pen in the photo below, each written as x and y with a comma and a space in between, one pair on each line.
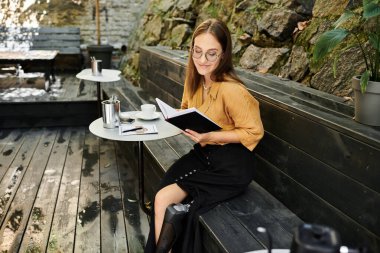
133, 129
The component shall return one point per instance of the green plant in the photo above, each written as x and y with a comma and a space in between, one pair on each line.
366, 34
212, 10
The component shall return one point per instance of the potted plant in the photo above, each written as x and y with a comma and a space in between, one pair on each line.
100, 52
366, 34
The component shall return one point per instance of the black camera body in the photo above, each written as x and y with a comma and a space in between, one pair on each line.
312, 238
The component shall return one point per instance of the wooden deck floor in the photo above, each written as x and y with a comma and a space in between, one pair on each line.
65, 190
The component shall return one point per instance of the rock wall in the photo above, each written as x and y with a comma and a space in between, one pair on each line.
270, 36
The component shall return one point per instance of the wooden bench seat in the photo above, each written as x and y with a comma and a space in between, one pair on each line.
314, 158
231, 226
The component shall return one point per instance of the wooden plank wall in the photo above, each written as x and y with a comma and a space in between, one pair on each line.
64, 39
314, 158
162, 76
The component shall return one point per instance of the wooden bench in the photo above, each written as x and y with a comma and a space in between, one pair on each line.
66, 40
256, 204
266, 210
315, 164
316, 160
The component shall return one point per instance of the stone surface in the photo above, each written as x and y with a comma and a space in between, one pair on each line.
349, 64
183, 5
323, 8
247, 22
297, 65
244, 5
179, 34
262, 59
165, 5
272, 26
279, 24
303, 7
153, 30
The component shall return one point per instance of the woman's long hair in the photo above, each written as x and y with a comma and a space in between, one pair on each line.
225, 68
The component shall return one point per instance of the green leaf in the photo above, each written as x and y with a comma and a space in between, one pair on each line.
343, 18
328, 41
364, 80
374, 39
371, 8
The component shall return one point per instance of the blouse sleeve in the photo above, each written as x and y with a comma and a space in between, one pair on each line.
185, 98
244, 110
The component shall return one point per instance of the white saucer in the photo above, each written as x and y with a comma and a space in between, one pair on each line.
126, 115
140, 115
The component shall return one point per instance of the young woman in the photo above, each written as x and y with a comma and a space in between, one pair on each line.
221, 164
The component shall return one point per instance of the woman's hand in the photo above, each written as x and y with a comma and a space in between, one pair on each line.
212, 137
196, 137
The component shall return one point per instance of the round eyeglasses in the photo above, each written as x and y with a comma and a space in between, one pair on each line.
210, 55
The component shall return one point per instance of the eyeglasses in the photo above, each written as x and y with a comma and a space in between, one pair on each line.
211, 55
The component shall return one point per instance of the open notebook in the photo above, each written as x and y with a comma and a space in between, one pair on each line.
189, 118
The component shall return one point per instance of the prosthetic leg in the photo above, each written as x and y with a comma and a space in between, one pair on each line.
171, 226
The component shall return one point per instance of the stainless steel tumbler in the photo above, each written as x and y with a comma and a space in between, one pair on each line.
96, 67
110, 109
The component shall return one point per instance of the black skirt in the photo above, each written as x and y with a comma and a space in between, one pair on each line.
209, 175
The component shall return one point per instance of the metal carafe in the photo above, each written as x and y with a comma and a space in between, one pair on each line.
110, 109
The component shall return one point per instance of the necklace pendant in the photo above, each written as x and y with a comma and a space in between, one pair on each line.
204, 86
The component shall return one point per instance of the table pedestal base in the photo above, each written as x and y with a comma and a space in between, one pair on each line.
165, 130
99, 99
140, 165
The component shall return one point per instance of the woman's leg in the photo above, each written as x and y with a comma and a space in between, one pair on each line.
168, 195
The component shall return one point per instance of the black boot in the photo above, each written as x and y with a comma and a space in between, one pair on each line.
171, 226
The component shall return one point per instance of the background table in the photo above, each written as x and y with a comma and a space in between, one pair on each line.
108, 75
44, 58
165, 130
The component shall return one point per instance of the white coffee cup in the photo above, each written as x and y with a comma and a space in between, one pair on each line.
148, 110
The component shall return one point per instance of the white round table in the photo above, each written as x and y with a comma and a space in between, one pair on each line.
165, 130
108, 75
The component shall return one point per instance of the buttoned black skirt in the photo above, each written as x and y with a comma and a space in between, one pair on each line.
209, 175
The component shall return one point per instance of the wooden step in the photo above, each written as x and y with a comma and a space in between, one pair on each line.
70, 102
47, 114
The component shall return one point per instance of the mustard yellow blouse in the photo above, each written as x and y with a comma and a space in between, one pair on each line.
231, 106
